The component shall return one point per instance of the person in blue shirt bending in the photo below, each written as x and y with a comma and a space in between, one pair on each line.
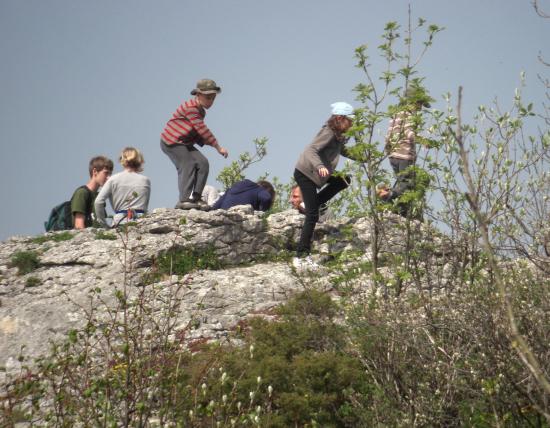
260, 195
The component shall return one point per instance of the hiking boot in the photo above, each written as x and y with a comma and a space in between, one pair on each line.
203, 206
187, 205
304, 264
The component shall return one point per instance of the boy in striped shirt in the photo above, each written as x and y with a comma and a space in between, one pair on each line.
184, 131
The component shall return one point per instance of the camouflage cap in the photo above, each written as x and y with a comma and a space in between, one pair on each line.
206, 86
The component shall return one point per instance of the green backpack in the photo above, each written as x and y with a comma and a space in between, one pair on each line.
61, 217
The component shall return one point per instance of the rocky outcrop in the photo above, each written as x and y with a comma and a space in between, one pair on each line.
77, 277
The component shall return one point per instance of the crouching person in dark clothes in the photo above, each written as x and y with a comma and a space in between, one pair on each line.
260, 195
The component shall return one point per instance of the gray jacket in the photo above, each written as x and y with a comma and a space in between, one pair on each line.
324, 150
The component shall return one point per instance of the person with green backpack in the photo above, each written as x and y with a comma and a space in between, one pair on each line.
77, 213
82, 202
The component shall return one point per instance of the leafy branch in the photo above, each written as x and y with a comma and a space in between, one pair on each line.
234, 172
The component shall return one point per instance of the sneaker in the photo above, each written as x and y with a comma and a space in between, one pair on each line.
187, 205
304, 264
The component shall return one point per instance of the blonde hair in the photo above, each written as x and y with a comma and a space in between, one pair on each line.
132, 158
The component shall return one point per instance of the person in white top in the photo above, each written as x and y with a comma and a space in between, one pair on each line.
127, 191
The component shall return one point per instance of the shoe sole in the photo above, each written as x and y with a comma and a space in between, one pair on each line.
186, 206
190, 206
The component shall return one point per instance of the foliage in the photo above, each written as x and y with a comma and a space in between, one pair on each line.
450, 361
417, 360
32, 281
301, 357
234, 172
25, 261
55, 237
108, 236
290, 372
185, 260
181, 261
398, 75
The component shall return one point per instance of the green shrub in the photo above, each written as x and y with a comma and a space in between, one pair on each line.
301, 359
56, 237
101, 234
417, 361
181, 261
25, 261
289, 373
32, 281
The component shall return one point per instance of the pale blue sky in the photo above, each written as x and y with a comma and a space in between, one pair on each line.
81, 78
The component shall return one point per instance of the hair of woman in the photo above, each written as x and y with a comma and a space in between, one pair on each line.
132, 158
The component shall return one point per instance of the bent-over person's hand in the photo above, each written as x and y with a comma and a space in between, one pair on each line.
323, 172
383, 193
223, 152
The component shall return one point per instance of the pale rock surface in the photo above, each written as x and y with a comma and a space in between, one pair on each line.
213, 302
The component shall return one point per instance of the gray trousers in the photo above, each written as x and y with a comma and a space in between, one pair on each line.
192, 167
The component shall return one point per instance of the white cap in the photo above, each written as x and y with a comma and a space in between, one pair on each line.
341, 108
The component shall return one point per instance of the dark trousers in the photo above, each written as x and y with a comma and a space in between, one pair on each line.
404, 178
192, 167
404, 181
312, 202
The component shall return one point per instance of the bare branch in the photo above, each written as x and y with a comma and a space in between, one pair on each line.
539, 11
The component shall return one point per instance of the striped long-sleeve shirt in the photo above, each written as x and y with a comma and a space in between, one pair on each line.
186, 126
401, 136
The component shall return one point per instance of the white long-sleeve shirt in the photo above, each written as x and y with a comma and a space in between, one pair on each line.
125, 190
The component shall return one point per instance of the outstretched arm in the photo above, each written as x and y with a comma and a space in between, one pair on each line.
353, 154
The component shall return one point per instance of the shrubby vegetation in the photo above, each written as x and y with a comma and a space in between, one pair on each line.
398, 362
25, 261
54, 237
181, 261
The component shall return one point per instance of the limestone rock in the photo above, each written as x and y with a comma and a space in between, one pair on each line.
75, 275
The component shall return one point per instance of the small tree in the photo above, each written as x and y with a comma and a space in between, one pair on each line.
235, 172
400, 71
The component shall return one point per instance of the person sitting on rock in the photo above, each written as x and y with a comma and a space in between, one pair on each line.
82, 201
260, 195
128, 191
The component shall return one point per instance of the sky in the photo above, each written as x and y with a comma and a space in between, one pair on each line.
83, 78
